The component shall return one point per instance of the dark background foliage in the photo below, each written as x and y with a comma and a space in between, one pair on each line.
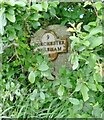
25, 91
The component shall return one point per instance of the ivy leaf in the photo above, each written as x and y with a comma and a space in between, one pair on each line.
74, 101
10, 17
60, 91
32, 77
84, 91
43, 66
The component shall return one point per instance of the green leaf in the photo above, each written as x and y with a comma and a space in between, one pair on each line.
96, 41
86, 27
75, 63
84, 91
86, 43
31, 77
35, 16
42, 95
20, 3
100, 88
96, 112
45, 5
33, 95
35, 24
47, 74
98, 5
37, 7
10, 17
11, 2
74, 101
96, 30
52, 11
74, 38
92, 60
54, 3
92, 86
2, 20
78, 87
97, 77
60, 91
92, 23
43, 66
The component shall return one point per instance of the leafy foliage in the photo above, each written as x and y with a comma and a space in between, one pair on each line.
25, 87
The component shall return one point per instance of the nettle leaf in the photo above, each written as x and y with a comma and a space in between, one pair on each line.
84, 91
32, 77
74, 101
60, 91
43, 66
10, 17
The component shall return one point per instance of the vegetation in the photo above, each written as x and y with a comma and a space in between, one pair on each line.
25, 87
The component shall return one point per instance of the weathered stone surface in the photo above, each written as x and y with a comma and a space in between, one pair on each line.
46, 38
